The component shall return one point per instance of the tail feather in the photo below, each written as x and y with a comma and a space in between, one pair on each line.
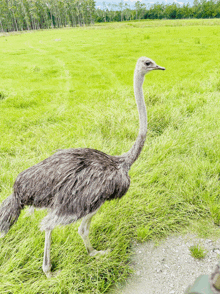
9, 213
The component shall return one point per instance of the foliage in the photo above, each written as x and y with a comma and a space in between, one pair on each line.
197, 252
199, 9
18, 15
73, 87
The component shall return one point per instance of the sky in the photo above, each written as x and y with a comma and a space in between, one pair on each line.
147, 2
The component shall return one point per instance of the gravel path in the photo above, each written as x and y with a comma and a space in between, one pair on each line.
169, 268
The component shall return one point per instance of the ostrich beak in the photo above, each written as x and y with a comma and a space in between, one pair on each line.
159, 67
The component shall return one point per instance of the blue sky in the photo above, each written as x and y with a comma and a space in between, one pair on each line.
147, 2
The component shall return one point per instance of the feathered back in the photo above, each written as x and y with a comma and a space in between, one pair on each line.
72, 182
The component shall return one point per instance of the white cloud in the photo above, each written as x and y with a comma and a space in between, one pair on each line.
132, 0
181, 3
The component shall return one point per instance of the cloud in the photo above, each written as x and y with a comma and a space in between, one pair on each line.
132, 0
181, 3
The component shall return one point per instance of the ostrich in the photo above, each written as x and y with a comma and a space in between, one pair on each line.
74, 183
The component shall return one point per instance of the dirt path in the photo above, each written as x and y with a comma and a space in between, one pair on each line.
169, 268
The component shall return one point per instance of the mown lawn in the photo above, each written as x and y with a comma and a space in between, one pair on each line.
74, 88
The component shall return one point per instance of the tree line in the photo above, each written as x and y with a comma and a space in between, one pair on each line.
122, 11
17, 15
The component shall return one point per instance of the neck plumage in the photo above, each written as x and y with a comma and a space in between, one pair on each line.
135, 150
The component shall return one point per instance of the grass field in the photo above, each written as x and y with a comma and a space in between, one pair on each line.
74, 88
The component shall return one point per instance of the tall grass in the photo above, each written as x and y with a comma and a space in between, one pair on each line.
73, 88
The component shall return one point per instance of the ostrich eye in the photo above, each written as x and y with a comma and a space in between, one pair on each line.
147, 63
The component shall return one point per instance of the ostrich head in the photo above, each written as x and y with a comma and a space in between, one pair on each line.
145, 65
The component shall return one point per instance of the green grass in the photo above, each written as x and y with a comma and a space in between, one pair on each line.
73, 88
197, 252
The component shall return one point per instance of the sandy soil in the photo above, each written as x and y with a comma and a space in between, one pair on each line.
169, 268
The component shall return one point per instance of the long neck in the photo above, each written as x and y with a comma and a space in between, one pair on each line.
135, 150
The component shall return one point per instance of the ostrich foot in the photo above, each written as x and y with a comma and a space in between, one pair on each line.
29, 212
2, 234
52, 275
101, 252
48, 275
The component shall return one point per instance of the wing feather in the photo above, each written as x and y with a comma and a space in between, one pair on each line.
72, 181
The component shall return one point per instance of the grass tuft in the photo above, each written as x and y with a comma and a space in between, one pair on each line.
2, 95
197, 252
197, 41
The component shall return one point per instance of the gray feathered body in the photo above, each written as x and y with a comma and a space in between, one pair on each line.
74, 183
71, 183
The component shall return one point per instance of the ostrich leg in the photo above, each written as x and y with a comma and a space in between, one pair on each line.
84, 233
46, 260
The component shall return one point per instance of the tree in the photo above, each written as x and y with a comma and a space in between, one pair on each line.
140, 9
127, 12
121, 8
